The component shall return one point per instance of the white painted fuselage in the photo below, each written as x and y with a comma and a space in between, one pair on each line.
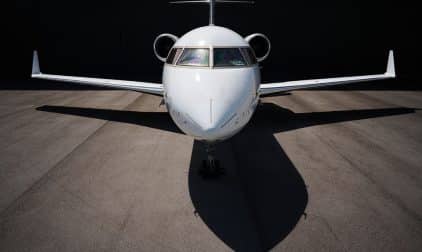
211, 104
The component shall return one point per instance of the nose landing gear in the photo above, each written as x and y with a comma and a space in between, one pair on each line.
211, 167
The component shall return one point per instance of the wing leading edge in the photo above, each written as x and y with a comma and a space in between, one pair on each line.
270, 88
145, 87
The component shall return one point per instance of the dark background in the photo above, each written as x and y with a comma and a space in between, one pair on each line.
113, 39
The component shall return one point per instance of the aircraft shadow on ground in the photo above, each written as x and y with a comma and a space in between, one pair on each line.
156, 120
262, 196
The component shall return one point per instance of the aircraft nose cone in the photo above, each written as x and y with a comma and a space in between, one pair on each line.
213, 122
210, 105
212, 117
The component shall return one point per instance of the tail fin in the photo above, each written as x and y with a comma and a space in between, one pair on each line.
391, 69
35, 64
209, 1
212, 5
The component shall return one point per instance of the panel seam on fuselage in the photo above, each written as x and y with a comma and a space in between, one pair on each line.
211, 110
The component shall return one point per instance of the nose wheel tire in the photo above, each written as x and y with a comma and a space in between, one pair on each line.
211, 167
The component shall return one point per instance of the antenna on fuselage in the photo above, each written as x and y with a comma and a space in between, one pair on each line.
212, 4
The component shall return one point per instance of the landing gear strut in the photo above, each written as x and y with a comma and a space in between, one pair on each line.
211, 167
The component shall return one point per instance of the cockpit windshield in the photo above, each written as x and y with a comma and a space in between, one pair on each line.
222, 57
228, 57
195, 57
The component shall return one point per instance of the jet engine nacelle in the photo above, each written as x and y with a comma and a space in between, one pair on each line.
260, 44
162, 45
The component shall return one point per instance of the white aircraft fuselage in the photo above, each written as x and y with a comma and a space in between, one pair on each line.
211, 103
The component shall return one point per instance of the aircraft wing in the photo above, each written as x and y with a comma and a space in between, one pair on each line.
270, 88
144, 87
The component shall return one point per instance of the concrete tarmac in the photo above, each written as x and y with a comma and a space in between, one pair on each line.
109, 171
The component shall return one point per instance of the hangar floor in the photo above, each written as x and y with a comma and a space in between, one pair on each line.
109, 171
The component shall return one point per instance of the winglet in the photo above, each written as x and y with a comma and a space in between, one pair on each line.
35, 64
391, 70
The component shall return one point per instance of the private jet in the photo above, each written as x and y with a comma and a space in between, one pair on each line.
211, 83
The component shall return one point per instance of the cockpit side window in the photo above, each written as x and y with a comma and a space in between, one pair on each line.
249, 55
228, 57
199, 57
173, 55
